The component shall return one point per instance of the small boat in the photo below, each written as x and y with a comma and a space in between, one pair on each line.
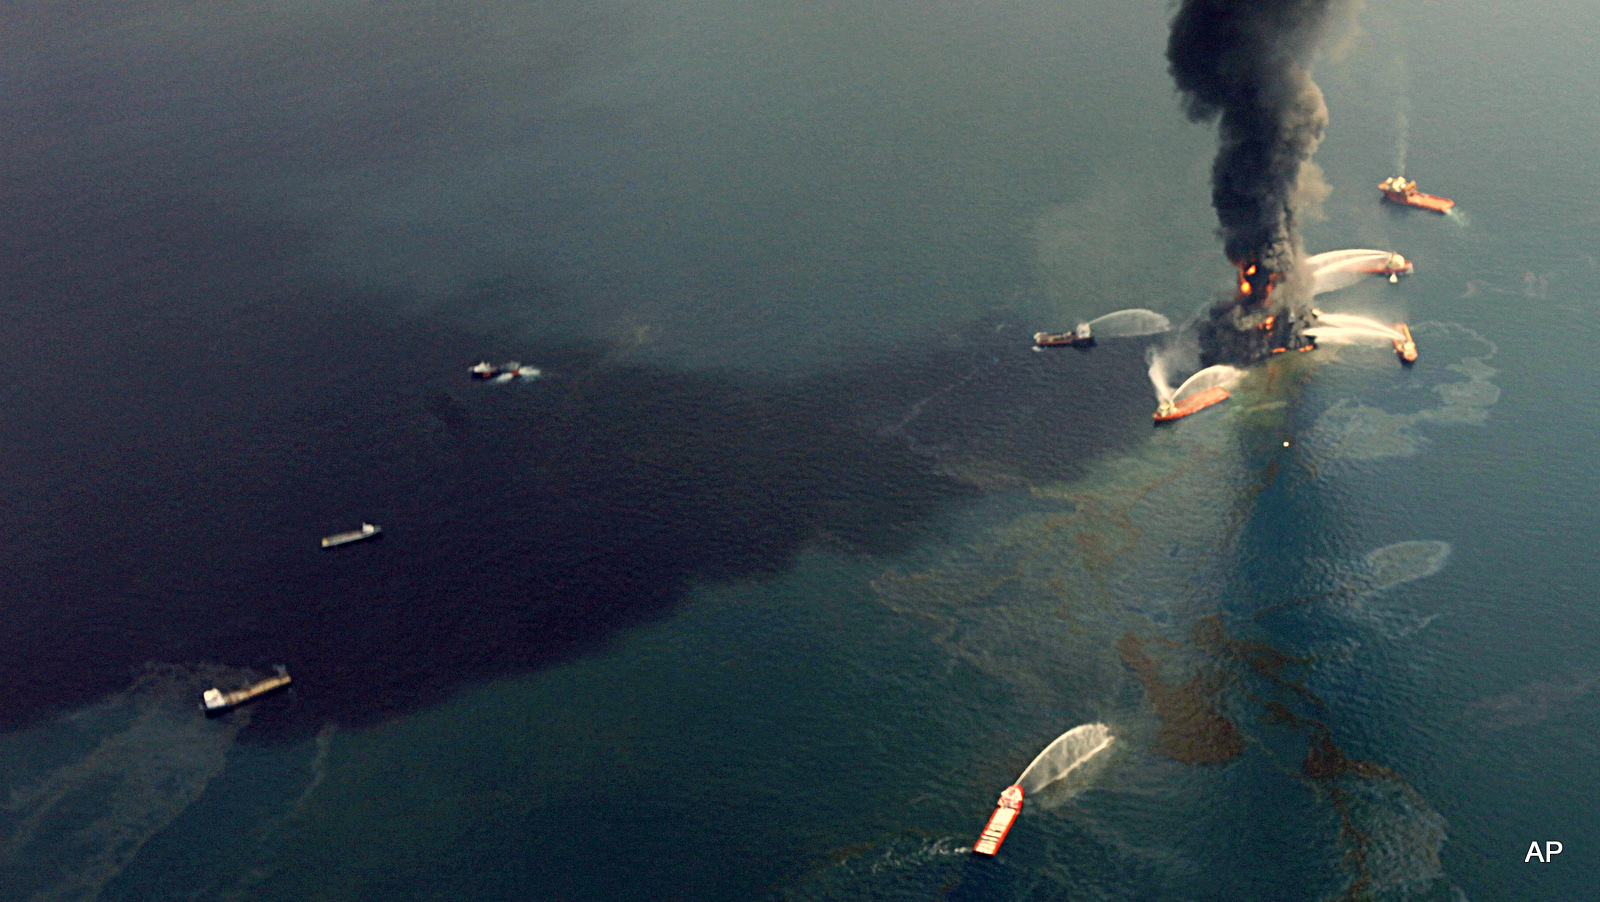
367, 531
502, 372
1405, 346
1080, 337
1394, 267
1169, 411
215, 701
1405, 192
1005, 814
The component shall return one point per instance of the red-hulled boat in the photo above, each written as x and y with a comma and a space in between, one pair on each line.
1405, 346
1405, 192
1005, 814
1195, 403
1394, 267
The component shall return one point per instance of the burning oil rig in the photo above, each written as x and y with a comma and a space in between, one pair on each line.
1245, 64
1258, 319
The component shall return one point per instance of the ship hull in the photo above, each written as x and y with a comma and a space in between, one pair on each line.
356, 535
1406, 270
1405, 349
1000, 823
1063, 340
1421, 201
1192, 404
215, 701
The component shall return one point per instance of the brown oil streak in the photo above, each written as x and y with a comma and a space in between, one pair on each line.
1192, 730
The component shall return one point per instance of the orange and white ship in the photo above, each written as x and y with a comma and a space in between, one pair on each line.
1170, 410
1401, 191
1394, 266
1404, 345
1005, 814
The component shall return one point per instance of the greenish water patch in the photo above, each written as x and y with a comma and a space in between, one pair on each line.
1352, 430
147, 754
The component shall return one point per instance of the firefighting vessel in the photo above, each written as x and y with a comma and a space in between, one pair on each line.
215, 701
1394, 267
1079, 337
1169, 411
1404, 345
1405, 192
1005, 814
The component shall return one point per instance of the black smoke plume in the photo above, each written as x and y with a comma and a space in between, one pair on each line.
1245, 64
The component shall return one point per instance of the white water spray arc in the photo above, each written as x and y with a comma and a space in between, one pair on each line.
1069, 752
1333, 270
1210, 377
1345, 328
1129, 323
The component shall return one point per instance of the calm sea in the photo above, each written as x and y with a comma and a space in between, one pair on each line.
795, 553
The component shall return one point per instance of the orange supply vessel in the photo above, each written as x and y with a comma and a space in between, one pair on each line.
1195, 403
1401, 191
1005, 814
1394, 266
1404, 346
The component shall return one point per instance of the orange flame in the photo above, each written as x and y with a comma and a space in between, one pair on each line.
1247, 290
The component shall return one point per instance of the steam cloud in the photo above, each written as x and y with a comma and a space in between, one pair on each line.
1244, 63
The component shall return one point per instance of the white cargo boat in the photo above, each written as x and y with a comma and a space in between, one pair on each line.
366, 531
215, 701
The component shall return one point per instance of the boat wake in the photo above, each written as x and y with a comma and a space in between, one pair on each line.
919, 866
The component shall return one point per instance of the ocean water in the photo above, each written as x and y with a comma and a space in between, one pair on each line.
795, 554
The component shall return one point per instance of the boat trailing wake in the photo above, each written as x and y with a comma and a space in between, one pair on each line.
1402, 120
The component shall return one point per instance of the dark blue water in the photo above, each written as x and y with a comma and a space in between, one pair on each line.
795, 555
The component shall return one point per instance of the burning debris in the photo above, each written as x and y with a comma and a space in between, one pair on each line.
1243, 63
